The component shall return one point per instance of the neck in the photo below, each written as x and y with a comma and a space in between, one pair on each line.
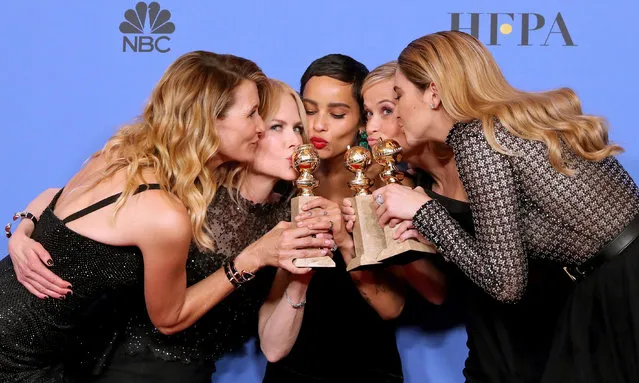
215, 162
257, 187
437, 160
333, 179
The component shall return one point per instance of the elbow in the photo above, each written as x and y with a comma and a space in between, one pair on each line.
167, 327
168, 330
508, 294
272, 354
392, 312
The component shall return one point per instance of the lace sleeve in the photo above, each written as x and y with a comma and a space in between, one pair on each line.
495, 258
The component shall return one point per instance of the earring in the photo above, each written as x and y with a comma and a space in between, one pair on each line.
432, 106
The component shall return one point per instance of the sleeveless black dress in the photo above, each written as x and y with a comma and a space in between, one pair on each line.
342, 338
34, 333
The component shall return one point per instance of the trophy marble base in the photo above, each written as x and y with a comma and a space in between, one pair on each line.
368, 236
313, 262
395, 247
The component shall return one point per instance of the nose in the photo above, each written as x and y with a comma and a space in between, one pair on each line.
373, 125
260, 126
318, 122
292, 139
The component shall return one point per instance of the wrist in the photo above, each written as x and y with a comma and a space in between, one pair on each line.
247, 261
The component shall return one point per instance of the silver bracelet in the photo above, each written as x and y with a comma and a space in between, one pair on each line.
294, 305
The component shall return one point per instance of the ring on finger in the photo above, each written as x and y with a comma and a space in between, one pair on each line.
379, 199
324, 212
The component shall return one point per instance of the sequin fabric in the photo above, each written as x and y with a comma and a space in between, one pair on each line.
230, 323
35, 332
523, 208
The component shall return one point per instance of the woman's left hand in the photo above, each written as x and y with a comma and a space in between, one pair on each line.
398, 202
318, 212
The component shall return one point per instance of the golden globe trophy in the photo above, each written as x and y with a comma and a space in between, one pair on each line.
305, 160
388, 153
368, 236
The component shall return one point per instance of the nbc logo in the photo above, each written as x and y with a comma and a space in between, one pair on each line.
136, 24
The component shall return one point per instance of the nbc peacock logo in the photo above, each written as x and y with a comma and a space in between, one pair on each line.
146, 28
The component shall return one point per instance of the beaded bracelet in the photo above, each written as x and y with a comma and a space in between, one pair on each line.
20, 214
294, 305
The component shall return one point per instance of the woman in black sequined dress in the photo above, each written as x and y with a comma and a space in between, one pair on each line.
506, 343
138, 352
543, 183
117, 242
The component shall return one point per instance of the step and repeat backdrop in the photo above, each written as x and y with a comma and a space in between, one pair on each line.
73, 71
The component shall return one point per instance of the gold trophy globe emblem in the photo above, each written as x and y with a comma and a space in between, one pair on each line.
388, 153
368, 236
305, 161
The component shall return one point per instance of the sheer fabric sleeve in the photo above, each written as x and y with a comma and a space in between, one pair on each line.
495, 258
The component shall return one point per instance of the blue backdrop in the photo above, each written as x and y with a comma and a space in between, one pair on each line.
69, 77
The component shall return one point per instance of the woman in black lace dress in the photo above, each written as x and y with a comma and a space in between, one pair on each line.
237, 218
542, 183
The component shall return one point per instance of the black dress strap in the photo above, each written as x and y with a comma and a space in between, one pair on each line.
102, 203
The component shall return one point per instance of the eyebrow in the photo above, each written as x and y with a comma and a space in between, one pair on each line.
330, 105
385, 100
278, 121
309, 101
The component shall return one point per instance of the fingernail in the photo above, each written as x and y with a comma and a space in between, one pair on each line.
68, 287
69, 293
49, 262
63, 297
46, 297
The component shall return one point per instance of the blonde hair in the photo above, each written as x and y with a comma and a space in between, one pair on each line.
176, 134
381, 73
234, 178
472, 86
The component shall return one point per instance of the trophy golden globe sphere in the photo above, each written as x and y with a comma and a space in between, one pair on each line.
305, 160
357, 159
388, 153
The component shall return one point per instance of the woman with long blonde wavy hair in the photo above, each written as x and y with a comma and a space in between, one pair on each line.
542, 182
147, 193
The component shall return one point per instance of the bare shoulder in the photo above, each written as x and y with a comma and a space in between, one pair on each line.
159, 216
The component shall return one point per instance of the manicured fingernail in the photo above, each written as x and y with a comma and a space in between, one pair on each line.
301, 224
63, 297
68, 287
69, 293
50, 262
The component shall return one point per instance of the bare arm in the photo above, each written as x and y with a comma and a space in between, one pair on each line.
172, 306
279, 321
30, 259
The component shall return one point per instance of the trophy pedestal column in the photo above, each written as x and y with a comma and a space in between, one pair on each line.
368, 236
325, 261
395, 247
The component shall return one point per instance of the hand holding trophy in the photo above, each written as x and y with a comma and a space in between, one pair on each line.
368, 236
305, 160
388, 153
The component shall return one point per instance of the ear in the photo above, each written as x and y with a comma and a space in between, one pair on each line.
431, 96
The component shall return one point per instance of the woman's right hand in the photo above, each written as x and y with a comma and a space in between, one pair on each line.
280, 246
30, 262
